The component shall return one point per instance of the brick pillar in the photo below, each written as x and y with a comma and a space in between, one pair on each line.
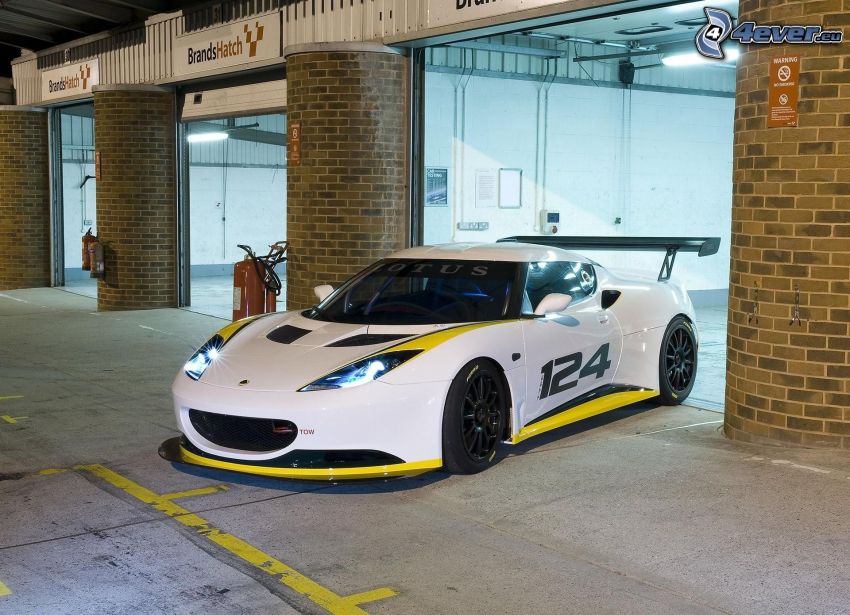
24, 198
135, 135
791, 227
347, 202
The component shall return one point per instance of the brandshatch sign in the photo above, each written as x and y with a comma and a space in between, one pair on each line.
70, 80
237, 43
444, 12
782, 92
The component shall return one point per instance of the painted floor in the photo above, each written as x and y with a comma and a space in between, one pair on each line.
644, 510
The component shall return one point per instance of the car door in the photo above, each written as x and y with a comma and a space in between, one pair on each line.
571, 354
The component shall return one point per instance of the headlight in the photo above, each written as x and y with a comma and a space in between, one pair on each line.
362, 371
202, 359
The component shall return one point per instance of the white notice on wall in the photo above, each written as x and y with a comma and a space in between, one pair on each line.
486, 188
510, 188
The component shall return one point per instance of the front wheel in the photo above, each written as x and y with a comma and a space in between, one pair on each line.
678, 361
474, 417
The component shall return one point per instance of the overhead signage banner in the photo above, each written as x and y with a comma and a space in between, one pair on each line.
69, 80
237, 43
446, 12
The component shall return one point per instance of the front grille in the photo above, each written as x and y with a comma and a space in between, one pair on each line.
243, 433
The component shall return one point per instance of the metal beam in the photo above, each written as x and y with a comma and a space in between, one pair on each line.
12, 30
155, 7
241, 134
41, 20
519, 49
611, 56
88, 9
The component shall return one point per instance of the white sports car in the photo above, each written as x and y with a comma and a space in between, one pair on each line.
436, 356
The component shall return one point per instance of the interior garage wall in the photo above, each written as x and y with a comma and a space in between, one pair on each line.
661, 162
78, 203
253, 201
237, 195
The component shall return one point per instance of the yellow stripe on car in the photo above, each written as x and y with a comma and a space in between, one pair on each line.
429, 341
396, 469
233, 328
582, 411
425, 342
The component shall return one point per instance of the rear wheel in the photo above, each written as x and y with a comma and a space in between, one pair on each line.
678, 361
474, 417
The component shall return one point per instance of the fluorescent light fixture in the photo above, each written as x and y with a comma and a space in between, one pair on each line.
206, 137
692, 58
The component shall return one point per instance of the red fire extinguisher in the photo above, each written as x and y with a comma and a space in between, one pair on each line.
88, 239
96, 259
255, 283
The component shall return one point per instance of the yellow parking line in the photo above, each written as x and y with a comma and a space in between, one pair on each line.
11, 397
371, 596
191, 493
307, 587
4, 590
13, 420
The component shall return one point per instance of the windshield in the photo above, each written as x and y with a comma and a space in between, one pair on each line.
422, 292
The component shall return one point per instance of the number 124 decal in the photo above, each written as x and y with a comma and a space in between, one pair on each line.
555, 375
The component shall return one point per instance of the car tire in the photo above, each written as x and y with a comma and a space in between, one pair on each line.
474, 417
677, 364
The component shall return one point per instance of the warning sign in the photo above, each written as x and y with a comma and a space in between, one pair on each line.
782, 92
294, 157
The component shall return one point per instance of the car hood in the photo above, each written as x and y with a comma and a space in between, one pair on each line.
285, 352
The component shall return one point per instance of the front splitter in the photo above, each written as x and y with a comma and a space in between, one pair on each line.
172, 450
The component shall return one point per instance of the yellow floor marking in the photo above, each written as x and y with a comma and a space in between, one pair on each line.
12, 420
4, 590
371, 596
11, 397
194, 492
49, 471
325, 598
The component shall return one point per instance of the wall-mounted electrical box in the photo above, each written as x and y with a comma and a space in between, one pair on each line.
550, 222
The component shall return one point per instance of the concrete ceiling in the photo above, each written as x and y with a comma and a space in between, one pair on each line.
39, 24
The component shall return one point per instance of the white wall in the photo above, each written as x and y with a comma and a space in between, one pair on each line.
254, 210
661, 162
79, 207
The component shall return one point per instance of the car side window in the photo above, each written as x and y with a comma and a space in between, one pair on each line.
578, 280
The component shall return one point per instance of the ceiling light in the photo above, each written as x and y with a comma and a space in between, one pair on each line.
643, 30
692, 58
206, 137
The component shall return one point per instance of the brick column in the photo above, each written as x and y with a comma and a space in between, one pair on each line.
135, 135
24, 198
347, 202
791, 227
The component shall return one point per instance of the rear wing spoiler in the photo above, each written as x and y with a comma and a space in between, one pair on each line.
703, 246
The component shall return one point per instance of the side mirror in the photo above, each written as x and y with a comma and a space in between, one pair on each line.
609, 298
322, 291
551, 303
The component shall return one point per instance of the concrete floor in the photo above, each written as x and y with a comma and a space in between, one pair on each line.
213, 295
644, 510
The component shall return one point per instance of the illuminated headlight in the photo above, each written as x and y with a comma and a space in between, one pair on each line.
204, 357
362, 371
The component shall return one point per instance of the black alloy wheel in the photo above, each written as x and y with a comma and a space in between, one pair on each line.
474, 417
678, 364
481, 417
